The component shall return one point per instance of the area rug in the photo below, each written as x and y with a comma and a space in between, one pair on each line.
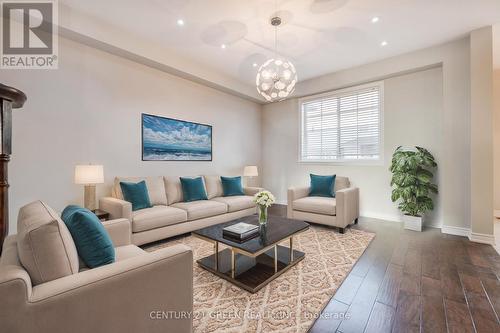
290, 303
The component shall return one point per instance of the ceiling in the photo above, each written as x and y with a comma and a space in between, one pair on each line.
318, 36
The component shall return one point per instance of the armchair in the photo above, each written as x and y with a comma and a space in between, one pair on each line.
338, 212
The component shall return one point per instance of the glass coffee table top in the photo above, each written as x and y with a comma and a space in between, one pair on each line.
276, 230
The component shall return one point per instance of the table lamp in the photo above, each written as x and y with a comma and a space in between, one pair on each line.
89, 175
250, 171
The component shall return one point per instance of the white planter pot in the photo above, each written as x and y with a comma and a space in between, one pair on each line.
413, 222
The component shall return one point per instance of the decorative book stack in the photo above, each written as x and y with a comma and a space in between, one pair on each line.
240, 232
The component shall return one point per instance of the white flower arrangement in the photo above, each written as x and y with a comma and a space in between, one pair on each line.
264, 198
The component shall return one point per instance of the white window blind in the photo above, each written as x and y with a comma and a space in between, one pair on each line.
343, 125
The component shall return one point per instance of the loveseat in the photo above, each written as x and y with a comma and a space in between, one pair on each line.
44, 287
339, 211
170, 216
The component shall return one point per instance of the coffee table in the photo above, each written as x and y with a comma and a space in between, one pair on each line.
253, 264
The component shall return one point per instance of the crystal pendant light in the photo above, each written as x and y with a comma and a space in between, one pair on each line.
277, 77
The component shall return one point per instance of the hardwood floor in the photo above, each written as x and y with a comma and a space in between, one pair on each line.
415, 282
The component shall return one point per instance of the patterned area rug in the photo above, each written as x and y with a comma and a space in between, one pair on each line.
292, 302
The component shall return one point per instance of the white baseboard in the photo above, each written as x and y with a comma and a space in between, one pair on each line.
398, 218
472, 236
482, 238
390, 218
457, 231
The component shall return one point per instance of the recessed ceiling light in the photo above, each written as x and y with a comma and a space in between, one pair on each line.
180, 22
375, 19
223, 46
254, 64
384, 43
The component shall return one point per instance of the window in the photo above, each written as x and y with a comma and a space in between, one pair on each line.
343, 125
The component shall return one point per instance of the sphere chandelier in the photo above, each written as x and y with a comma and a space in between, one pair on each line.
276, 78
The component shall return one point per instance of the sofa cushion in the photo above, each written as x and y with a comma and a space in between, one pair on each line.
121, 253
44, 243
92, 241
318, 205
193, 189
232, 186
128, 251
236, 203
213, 185
341, 183
156, 217
173, 188
136, 194
155, 185
202, 208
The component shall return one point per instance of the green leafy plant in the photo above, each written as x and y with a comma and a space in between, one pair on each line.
412, 180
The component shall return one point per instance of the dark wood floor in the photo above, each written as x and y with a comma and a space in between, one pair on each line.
410, 281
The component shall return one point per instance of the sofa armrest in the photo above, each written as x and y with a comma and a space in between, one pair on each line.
295, 193
132, 290
347, 205
119, 230
15, 282
252, 190
116, 208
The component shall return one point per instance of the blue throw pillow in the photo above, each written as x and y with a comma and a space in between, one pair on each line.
322, 186
136, 194
91, 239
193, 189
232, 186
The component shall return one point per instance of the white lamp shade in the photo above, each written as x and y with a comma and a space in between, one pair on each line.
250, 171
89, 174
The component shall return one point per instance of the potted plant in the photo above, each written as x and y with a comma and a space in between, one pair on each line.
263, 199
412, 184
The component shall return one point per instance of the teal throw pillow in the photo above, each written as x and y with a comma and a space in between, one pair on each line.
322, 186
136, 194
232, 186
92, 241
193, 189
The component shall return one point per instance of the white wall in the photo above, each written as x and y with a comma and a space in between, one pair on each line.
481, 124
453, 117
496, 116
412, 116
89, 110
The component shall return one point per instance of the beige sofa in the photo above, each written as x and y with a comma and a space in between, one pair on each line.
119, 297
170, 216
338, 212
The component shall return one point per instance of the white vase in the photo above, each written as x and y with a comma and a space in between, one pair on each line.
413, 222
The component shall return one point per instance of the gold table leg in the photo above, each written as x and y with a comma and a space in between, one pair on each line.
291, 249
275, 258
216, 252
233, 263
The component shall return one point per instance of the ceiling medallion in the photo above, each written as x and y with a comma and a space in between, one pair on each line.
276, 78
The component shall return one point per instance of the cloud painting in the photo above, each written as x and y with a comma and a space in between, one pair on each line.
165, 139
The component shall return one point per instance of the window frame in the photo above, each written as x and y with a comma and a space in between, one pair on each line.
337, 93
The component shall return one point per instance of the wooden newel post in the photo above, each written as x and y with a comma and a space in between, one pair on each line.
10, 98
